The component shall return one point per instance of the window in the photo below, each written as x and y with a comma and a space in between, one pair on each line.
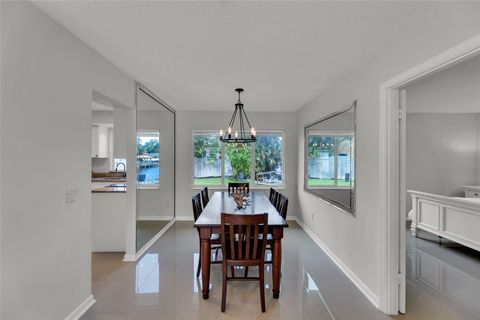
207, 157
330, 160
148, 155
269, 159
217, 164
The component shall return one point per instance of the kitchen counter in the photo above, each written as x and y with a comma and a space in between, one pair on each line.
109, 180
109, 189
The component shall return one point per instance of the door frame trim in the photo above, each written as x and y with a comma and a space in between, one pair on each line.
389, 173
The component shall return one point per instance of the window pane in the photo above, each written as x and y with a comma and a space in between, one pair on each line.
238, 162
148, 154
321, 160
344, 160
268, 159
207, 167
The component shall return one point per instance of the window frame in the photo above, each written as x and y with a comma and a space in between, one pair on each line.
335, 134
150, 186
253, 184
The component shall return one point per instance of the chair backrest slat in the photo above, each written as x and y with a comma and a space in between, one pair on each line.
232, 241
240, 242
255, 243
248, 234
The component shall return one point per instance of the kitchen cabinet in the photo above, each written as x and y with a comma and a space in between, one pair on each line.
101, 141
109, 220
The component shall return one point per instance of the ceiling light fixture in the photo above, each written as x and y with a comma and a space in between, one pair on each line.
241, 134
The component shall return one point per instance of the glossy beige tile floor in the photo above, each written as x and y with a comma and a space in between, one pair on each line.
443, 279
162, 285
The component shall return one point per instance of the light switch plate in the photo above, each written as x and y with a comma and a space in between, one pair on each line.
70, 195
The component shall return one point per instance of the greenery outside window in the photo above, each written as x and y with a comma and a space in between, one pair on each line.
216, 164
330, 160
148, 156
207, 159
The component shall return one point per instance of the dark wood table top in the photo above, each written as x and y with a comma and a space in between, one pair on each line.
223, 202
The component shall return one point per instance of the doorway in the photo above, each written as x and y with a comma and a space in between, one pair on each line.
439, 152
393, 171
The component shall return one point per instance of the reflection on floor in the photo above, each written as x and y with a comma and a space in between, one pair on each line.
443, 282
147, 229
443, 279
162, 285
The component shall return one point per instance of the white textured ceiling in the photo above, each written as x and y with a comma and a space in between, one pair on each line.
193, 54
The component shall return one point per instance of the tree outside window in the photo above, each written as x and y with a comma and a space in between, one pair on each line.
217, 164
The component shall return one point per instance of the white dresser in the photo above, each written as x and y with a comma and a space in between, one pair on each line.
472, 191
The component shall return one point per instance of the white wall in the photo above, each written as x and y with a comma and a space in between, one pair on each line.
120, 134
102, 116
187, 121
453, 90
356, 240
478, 150
442, 154
47, 79
442, 130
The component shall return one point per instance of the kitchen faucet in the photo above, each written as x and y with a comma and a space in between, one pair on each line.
116, 167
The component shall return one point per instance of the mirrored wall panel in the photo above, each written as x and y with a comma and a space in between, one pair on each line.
330, 158
155, 166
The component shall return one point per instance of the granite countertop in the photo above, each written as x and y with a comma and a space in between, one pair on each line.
109, 180
110, 189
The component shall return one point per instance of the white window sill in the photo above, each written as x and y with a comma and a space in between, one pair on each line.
148, 187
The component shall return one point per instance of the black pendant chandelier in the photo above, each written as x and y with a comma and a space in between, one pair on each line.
241, 133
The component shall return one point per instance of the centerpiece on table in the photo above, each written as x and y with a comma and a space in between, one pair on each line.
240, 199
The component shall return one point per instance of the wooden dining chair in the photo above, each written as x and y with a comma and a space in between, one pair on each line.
243, 239
274, 197
205, 196
215, 243
282, 206
242, 187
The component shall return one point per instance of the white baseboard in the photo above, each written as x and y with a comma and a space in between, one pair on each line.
141, 252
154, 218
82, 308
349, 273
129, 258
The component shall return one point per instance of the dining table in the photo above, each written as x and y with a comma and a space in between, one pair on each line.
209, 223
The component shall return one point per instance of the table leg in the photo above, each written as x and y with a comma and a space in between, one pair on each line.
206, 252
276, 264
